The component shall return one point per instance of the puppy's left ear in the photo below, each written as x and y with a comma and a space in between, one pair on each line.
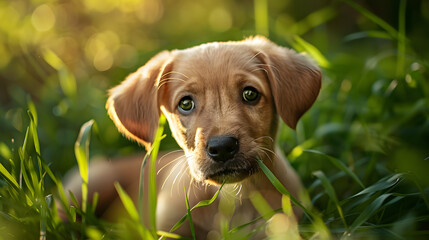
133, 105
295, 80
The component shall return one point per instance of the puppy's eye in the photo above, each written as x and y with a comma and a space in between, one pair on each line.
186, 105
250, 95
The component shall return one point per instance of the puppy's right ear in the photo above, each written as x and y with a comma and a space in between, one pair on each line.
133, 105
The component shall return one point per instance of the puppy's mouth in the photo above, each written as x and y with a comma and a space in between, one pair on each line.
231, 174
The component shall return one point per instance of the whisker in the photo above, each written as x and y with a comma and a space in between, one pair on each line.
171, 172
181, 173
168, 154
169, 163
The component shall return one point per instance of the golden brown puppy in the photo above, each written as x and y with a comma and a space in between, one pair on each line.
222, 102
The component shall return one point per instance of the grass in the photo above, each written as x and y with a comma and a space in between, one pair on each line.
361, 150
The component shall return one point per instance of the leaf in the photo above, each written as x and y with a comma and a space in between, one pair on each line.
374, 18
8, 176
303, 45
132, 211
382, 184
188, 213
340, 165
152, 174
127, 202
279, 186
81, 149
261, 205
169, 235
200, 204
367, 213
331, 193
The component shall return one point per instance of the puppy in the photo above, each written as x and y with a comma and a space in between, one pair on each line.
222, 102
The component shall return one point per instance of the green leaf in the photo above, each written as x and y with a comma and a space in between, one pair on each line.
127, 202
5, 152
169, 235
302, 45
366, 214
261, 205
33, 129
200, 204
8, 176
188, 213
374, 18
340, 165
331, 193
279, 186
66, 79
382, 184
368, 34
132, 211
152, 174
81, 149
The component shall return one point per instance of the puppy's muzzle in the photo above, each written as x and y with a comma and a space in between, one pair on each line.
222, 148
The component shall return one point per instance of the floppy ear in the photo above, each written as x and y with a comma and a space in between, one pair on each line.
133, 105
295, 80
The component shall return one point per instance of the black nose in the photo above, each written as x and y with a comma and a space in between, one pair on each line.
222, 149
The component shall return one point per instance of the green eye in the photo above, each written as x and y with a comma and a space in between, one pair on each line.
186, 105
250, 95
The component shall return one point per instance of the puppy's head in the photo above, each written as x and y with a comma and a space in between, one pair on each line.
221, 101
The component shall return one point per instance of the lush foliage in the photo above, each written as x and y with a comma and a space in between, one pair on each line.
362, 150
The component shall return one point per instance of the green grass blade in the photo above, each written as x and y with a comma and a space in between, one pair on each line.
127, 202
66, 79
200, 204
367, 213
132, 211
279, 186
331, 193
169, 235
141, 186
374, 18
367, 34
287, 206
5, 152
48, 171
340, 165
302, 45
189, 215
24, 166
44, 209
152, 174
81, 150
8, 176
33, 129
261, 205
382, 184
313, 20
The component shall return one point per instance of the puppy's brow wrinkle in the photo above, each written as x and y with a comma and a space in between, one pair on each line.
176, 72
166, 80
253, 57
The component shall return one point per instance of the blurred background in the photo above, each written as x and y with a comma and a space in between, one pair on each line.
372, 113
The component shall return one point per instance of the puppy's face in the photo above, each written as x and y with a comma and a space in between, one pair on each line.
221, 101
219, 105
